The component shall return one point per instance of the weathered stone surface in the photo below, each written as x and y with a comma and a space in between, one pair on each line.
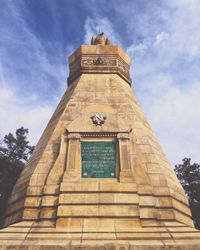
53, 207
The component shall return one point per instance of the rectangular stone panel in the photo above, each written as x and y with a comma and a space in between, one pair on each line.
30, 213
119, 211
98, 159
118, 187
127, 225
49, 200
98, 225
154, 235
70, 224
98, 210
71, 198
79, 187
77, 211
47, 213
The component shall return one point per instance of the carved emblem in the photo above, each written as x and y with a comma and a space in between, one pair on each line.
98, 61
98, 119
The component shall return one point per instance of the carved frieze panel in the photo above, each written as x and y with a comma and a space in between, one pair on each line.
98, 61
123, 68
99, 64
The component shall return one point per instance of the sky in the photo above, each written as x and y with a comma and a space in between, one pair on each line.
162, 38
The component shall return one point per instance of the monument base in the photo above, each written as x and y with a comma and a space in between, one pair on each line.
35, 235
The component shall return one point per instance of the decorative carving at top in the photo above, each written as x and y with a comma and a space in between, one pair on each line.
98, 61
99, 64
100, 39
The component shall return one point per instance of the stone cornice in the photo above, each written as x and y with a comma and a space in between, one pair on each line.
98, 63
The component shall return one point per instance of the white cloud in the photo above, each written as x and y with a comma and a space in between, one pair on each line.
5, 94
28, 61
161, 38
94, 26
174, 112
165, 53
15, 113
27, 74
141, 47
184, 25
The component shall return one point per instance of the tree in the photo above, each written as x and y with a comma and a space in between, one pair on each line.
189, 176
14, 153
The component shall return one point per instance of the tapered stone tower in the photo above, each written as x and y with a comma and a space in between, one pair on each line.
98, 177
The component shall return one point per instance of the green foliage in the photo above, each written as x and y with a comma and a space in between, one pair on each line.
189, 176
16, 148
14, 153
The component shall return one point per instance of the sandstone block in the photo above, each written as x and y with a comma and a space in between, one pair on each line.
147, 213
70, 224
79, 187
37, 180
126, 225
30, 213
126, 198
118, 211
118, 187
48, 213
77, 211
32, 201
106, 198
147, 200
49, 201
143, 235
34, 190
71, 198
51, 189
98, 225
91, 198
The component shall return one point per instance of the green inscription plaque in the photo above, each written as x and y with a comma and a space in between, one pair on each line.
98, 159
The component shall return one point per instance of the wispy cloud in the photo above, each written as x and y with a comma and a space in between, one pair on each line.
15, 113
29, 63
96, 25
164, 43
168, 80
32, 73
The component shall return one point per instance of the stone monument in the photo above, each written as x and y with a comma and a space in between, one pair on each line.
98, 178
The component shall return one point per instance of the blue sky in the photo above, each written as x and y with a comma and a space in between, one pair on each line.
162, 38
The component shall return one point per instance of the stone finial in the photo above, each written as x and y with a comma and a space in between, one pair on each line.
100, 39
